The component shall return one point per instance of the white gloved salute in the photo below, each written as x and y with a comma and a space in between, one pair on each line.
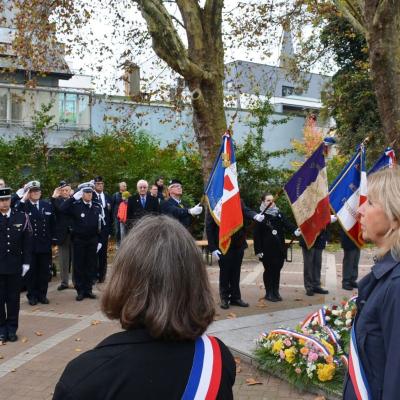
25, 269
260, 255
78, 195
99, 246
297, 232
259, 217
216, 254
333, 218
196, 210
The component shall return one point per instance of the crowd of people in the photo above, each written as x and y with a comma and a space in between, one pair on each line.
166, 324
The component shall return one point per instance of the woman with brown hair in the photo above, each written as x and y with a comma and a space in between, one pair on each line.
160, 293
374, 361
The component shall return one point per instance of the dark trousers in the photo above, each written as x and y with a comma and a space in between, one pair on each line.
102, 261
117, 231
85, 261
272, 273
312, 267
229, 274
10, 287
351, 259
37, 278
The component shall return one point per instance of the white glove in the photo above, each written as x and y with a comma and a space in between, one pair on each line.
20, 193
260, 255
216, 254
297, 232
196, 210
259, 217
333, 218
25, 269
78, 195
99, 246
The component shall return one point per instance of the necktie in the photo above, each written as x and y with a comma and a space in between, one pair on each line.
143, 201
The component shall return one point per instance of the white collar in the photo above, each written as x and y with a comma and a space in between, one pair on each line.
7, 213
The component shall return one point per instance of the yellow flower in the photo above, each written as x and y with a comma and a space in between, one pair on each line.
328, 346
278, 346
302, 342
290, 354
325, 372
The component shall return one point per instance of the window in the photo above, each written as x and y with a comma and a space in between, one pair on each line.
3, 105
287, 90
68, 108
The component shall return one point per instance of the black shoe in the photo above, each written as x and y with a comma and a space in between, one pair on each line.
12, 337
80, 297
320, 290
239, 303
277, 295
354, 284
310, 292
45, 300
62, 287
224, 304
90, 295
3, 338
32, 302
347, 286
271, 297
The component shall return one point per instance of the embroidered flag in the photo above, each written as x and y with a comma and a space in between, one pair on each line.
347, 193
205, 375
307, 191
222, 194
386, 160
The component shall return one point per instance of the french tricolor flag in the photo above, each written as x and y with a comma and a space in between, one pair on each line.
307, 191
348, 192
222, 194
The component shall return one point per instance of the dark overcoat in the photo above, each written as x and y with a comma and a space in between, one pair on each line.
377, 327
177, 210
133, 365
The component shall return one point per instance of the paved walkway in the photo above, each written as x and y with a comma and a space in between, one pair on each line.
51, 335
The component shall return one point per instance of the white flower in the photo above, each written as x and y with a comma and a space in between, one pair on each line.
338, 322
348, 322
336, 312
327, 318
349, 315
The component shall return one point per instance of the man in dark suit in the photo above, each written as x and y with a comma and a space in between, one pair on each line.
63, 232
231, 262
15, 258
141, 203
174, 206
105, 201
42, 218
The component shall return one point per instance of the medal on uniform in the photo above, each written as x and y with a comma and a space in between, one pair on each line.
83, 215
274, 232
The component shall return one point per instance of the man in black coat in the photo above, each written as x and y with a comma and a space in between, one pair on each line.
105, 201
42, 218
231, 262
86, 237
351, 258
63, 232
15, 258
174, 206
141, 203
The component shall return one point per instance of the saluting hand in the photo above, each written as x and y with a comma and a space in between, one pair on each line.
56, 193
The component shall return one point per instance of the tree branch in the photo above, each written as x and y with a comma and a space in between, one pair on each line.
353, 13
166, 41
383, 9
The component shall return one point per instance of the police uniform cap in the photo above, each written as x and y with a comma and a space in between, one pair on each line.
5, 193
174, 182
86, 187
329, 140
32, 185
62, 184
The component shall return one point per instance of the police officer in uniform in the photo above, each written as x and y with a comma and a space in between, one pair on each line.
42, 218
105, 201
86, 237
174, 206
15, 257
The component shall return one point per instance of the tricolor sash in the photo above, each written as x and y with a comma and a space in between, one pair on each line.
205, 376
356, 371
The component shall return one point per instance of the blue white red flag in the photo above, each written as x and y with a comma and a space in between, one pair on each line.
386, 160
307, 191
347, 193
222, 193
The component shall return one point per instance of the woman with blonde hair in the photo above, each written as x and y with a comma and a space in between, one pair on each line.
160, 293
374, 362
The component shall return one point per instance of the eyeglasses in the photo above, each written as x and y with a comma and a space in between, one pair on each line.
142, 187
